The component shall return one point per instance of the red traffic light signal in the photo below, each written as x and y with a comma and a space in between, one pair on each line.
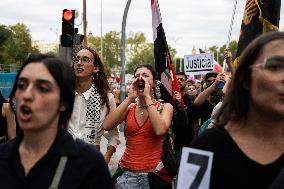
68, 29
67, 14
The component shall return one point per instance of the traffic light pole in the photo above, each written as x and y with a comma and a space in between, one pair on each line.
122, 53
65, 53
85, 22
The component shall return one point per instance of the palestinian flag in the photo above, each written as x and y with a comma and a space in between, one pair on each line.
163, 62
259, 16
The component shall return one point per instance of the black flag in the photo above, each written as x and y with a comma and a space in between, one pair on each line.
259, 16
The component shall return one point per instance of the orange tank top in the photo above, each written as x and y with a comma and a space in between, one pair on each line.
143, 147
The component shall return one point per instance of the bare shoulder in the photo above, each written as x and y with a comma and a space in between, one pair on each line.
167, 107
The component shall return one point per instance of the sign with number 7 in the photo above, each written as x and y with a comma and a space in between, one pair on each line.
195, 169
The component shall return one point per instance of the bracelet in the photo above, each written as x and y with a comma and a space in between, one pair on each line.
150, 105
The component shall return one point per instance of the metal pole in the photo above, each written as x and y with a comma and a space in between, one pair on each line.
230, 30
122, 55
85, 22
102, 29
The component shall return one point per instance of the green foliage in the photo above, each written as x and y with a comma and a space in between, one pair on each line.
218, 52
111, 48
144, 56
15, 46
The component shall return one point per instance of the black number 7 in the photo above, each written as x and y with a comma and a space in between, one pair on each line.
202, 161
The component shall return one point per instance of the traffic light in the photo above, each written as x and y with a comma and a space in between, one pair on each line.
68, 30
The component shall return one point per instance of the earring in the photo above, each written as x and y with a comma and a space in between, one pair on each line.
95, 76
157, 89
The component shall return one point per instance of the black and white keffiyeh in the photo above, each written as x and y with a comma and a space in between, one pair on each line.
93, 113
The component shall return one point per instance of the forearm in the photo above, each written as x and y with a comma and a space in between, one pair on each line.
203, 96
159, 124
11, 123
115, 117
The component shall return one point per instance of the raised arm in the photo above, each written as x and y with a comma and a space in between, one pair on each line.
160, 121
117, 116
11, 122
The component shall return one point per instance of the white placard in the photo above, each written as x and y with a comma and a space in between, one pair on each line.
195, 169
198, 64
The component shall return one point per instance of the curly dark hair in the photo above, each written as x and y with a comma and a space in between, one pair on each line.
100, 78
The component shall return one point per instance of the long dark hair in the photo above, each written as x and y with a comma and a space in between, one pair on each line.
62, 74
235, 106
100, 78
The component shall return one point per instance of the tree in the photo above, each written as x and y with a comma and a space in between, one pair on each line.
111, 48
144, 56
135, 43
214, 49
233, 48
5, 35
15, 45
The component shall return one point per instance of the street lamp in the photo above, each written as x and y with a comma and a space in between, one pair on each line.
102, 29
122, 54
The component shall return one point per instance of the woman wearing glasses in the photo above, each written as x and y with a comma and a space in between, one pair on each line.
248, 143
93, 101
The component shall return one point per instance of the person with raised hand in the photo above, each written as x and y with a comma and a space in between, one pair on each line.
146, 123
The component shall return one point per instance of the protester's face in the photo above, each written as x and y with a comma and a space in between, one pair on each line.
198, 87
267, 85
209, 81
84, 64
37, 98
146, 74
192, 90
181, 79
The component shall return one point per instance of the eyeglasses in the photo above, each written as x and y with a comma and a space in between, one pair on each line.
83, 59
274, 64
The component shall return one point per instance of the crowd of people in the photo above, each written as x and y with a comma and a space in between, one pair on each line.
52, 125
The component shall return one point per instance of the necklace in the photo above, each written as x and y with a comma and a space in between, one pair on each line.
142, 106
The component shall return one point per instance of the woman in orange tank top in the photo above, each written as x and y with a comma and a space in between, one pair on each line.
144, 129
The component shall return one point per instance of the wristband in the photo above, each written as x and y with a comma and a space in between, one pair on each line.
149, 105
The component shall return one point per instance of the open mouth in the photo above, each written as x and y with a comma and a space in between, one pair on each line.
25, 113
79, 69
140, 85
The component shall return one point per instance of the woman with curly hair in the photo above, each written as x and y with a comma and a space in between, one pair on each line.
93, 101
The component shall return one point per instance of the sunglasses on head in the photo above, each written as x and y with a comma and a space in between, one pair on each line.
273, 64
83, 59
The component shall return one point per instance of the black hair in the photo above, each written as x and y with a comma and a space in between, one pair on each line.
183, 74
62, 74
149, 67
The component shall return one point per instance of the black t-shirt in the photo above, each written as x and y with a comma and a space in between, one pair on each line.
182, 123
231, 167
204, 111
85, 167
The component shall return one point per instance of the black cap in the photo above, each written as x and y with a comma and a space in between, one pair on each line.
211, 74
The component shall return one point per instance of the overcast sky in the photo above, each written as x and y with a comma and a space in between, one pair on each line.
187, 23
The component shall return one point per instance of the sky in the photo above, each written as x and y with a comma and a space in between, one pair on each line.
187, 23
